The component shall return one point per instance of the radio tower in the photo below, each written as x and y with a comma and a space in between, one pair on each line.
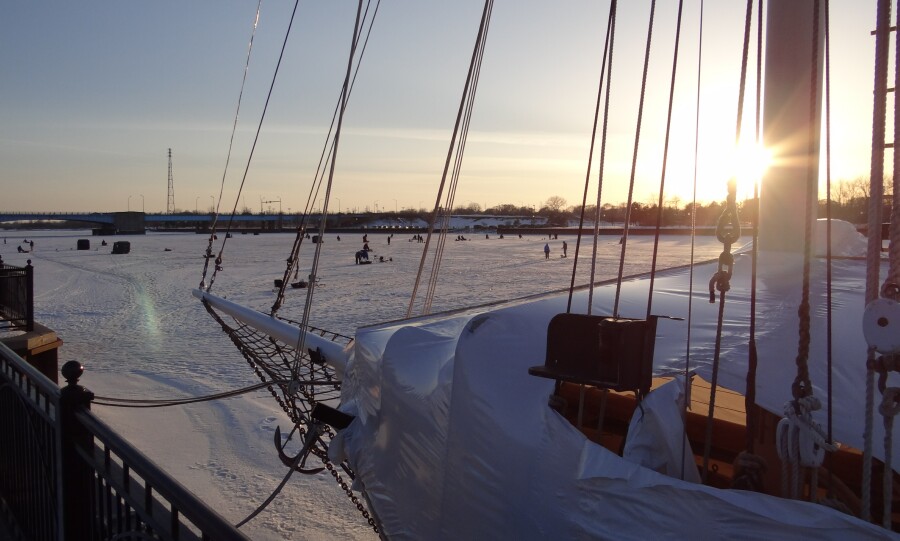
170, 206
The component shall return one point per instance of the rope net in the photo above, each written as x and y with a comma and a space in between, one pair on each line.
281, 366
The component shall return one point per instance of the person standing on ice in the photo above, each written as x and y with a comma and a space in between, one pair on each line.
547, 251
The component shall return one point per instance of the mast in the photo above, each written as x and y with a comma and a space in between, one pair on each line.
786, 124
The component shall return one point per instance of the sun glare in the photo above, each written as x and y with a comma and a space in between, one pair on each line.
746, 163
750, 163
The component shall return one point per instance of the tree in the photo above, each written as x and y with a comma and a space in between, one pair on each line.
555, 203
505, 209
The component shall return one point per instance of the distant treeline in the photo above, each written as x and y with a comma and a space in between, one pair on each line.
849, 202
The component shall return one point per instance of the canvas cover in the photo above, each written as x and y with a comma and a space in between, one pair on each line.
455, 440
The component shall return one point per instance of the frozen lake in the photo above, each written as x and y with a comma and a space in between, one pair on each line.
132, 322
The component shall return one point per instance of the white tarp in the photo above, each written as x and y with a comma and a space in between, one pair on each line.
455, 440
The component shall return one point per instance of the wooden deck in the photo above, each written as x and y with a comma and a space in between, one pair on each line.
583, 407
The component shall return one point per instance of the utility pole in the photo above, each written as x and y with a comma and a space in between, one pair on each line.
170, 205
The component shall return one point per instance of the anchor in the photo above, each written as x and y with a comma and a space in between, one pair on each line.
298, 461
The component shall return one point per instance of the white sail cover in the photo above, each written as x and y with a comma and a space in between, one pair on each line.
455, 440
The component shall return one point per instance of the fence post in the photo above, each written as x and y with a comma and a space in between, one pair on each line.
29, 297
77, 477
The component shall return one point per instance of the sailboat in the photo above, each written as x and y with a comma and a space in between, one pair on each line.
578, 416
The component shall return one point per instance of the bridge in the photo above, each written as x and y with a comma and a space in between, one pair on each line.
135, 222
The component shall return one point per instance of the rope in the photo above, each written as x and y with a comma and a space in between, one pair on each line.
313, 273
293, 261
806, 442
728, 231
801, 443
274, 493
867, 437
474, 64
637, 139
890, 405
829, 259
690, 314
802, 387
721, 282
889, 408
753, 358
457, 167
891, 286
165, 402
662, 180
587, 176
262, 118
212, 232
873, 248
603, 139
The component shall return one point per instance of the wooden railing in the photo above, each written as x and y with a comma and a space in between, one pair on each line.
66, 475
17, 297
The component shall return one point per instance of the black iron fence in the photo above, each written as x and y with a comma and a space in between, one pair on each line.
66, 475
17, 297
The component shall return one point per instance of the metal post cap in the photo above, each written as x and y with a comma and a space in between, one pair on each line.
72, 371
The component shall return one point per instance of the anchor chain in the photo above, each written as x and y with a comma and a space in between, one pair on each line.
728, 231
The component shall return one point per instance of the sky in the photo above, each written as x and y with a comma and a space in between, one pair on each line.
94, 93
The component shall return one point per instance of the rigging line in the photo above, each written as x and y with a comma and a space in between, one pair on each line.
753, 358
437, 202
310, 290
293, 260
662, 180
454, 182
802, 386
171, 400
637, 139
873, 245
690, 314
253, 147
137, 403
727, 238
454, 176
600, 168
209, 248
587, 175
828, 253
890, 289
891, 286
275, 492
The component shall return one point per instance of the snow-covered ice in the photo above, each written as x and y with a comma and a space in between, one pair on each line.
132, 322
